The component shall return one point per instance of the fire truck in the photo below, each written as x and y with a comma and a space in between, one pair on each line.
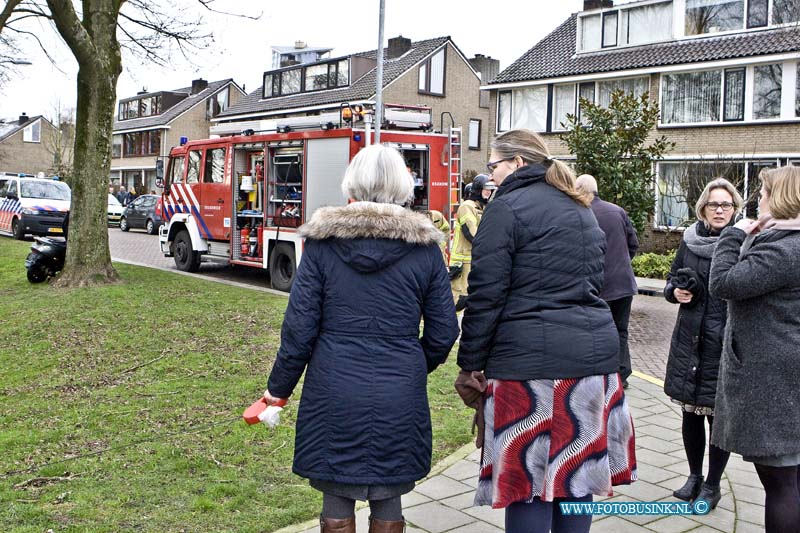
240, 198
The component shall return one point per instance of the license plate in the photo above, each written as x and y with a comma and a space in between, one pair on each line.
55, 230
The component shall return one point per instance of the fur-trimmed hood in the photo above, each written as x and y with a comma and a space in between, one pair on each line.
369, 220
371, 236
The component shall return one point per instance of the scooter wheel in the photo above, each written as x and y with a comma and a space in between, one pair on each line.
36, 275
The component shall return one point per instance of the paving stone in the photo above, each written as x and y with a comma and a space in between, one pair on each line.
643, 491
747, 527
737, 463
435, 517
439, 487
658, 459
462, 470
660, 432
476, 527
672, 524
664, 420
709, 529
673, 483
487, 514
414, 498
748, 494
658, 408
727, 502
472, 482
721, 519
740, 477
641, 519
750, 512
412, 529
460, 502
652, 474
615, 524
475, 456
657, 445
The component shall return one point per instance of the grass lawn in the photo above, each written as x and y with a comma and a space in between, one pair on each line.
156, 371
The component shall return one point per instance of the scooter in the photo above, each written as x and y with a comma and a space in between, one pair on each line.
46, 258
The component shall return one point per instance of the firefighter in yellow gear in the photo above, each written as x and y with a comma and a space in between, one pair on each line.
468, 218
442, 225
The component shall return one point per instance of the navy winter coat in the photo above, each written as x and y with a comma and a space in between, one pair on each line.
534, 310
369, 273
621, 245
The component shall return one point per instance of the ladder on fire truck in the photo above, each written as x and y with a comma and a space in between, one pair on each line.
453, 165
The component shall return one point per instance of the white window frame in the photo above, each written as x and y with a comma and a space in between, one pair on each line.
790, 71
28, 133
474, 123
621, 11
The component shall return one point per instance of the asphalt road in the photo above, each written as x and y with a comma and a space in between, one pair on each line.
137, 247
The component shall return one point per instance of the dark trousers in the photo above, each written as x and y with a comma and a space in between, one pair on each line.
621, 311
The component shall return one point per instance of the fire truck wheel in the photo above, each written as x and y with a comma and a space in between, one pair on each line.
282, 267
17, 229
186, 258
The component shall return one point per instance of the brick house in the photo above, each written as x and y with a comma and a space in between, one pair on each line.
431, 73
150, 123
27, 145
725, 74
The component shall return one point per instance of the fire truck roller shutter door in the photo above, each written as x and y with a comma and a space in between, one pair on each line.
327, 159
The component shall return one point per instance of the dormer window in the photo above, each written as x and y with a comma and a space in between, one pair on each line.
647, 23
302, 79
140, 107
711, 16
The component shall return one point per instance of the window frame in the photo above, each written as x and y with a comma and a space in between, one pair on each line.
725, 73
427, 64
28, 132
469, 141
276, 78
609, 14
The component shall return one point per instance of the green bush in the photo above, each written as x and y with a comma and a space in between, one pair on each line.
653, 265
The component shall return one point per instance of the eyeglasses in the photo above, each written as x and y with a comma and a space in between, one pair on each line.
491, 165
726, 206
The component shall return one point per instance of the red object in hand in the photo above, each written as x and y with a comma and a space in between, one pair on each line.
251, 413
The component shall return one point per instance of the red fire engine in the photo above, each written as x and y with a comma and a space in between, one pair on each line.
241, 198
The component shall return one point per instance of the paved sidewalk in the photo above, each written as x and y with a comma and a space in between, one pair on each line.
443, 502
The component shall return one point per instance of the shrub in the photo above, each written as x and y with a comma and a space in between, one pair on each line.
653, 265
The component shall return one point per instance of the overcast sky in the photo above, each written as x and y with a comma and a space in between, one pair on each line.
502, 29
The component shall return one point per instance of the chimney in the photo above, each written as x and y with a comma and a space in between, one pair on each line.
486, 66
23, 118
300, 44
198, 85
397, 46
596, 4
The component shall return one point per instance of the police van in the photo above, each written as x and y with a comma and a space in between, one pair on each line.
32, 205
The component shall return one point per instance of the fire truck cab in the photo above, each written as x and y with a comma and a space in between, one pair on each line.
241, 198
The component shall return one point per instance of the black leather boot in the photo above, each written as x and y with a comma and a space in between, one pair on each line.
711, 494
690, 489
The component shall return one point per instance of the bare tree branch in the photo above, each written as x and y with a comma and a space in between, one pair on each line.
39, 42
7, 11
71, 30
207, 4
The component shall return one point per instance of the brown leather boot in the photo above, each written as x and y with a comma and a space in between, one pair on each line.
386, 526
337, 525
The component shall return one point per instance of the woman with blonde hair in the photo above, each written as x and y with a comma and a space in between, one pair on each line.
557, 425
756, 268
370, 271
694, 353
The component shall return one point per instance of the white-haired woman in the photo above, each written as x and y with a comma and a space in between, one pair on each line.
696, 347
370, 271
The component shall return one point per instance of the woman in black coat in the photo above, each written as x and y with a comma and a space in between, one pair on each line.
694, 354
557, 424
370, 271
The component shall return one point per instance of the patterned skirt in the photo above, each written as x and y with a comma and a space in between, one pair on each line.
562, 438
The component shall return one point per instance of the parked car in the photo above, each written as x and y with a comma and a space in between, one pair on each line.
32, 206
141, 213
114, 212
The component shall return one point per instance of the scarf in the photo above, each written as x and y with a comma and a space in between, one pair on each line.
700, 245
765, 223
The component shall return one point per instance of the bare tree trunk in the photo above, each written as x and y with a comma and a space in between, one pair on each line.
98, 53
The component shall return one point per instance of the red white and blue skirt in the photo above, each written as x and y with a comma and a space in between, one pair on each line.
555, 438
